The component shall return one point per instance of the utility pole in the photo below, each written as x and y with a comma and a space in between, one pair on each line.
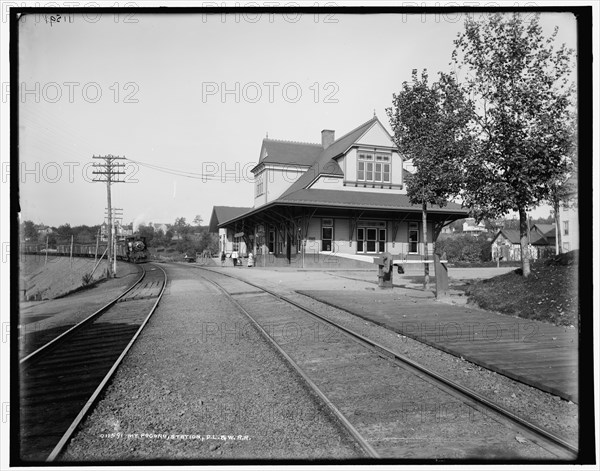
109, 172
117, 220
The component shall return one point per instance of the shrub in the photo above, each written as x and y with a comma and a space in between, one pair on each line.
465, 248
86, 279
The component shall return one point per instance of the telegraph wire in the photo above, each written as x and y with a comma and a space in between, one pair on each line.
187, 174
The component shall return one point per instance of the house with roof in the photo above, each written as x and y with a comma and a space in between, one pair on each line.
569, 218
546, 230
472, 227
340, 202
507, 243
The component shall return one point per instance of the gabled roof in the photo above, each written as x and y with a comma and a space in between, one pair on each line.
326, 164
545, 229
289, 152
514, 237
221, 214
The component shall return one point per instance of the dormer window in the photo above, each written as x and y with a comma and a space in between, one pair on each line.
374, 168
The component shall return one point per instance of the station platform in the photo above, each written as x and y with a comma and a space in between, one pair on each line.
535, 353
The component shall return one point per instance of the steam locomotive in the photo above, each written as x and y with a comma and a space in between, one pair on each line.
136, 249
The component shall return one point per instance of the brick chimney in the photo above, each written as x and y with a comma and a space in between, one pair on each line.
327, 138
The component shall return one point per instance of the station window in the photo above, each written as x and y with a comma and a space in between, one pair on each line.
370, 239
327, 235
413, 237
566, 227
382, 240
271, 241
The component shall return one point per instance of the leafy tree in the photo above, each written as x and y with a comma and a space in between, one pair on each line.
465, 248
85, 235
198, 220
521, 85
29, 231
63, 233
457, 225
430, 128
181, 227
210, 242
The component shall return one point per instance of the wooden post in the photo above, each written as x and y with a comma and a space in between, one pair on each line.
98, 262
97, 242
115, 255
426, 249
441, 277
46, 260
71, 252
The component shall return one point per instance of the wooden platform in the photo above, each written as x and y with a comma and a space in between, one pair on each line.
535, 353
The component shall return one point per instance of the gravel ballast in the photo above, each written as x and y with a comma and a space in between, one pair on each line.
189, 390
547, 410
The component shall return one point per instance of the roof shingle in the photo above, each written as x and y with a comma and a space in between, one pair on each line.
372, 200
288, 152
221, 214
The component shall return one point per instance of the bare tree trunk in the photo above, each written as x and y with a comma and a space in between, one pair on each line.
425, 251
524, 242
557, 229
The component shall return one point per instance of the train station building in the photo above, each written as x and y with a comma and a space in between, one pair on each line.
340, 202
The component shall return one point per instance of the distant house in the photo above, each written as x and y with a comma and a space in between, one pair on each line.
471, 227
569, 219
507, 245
121, 230
546, 230
44, 230
104, 232
124, 230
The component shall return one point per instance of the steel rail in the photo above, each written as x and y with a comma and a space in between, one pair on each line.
367, 448
472, 395
44, 348
94, 397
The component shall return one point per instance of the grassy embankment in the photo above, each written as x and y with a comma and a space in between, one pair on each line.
549, 294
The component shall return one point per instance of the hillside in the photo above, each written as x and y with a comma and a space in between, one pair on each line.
549, 294
40, 280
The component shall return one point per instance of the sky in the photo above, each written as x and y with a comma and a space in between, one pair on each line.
196, 94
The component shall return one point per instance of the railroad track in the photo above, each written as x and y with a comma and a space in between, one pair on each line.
34, 338
61, 381
394, 407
